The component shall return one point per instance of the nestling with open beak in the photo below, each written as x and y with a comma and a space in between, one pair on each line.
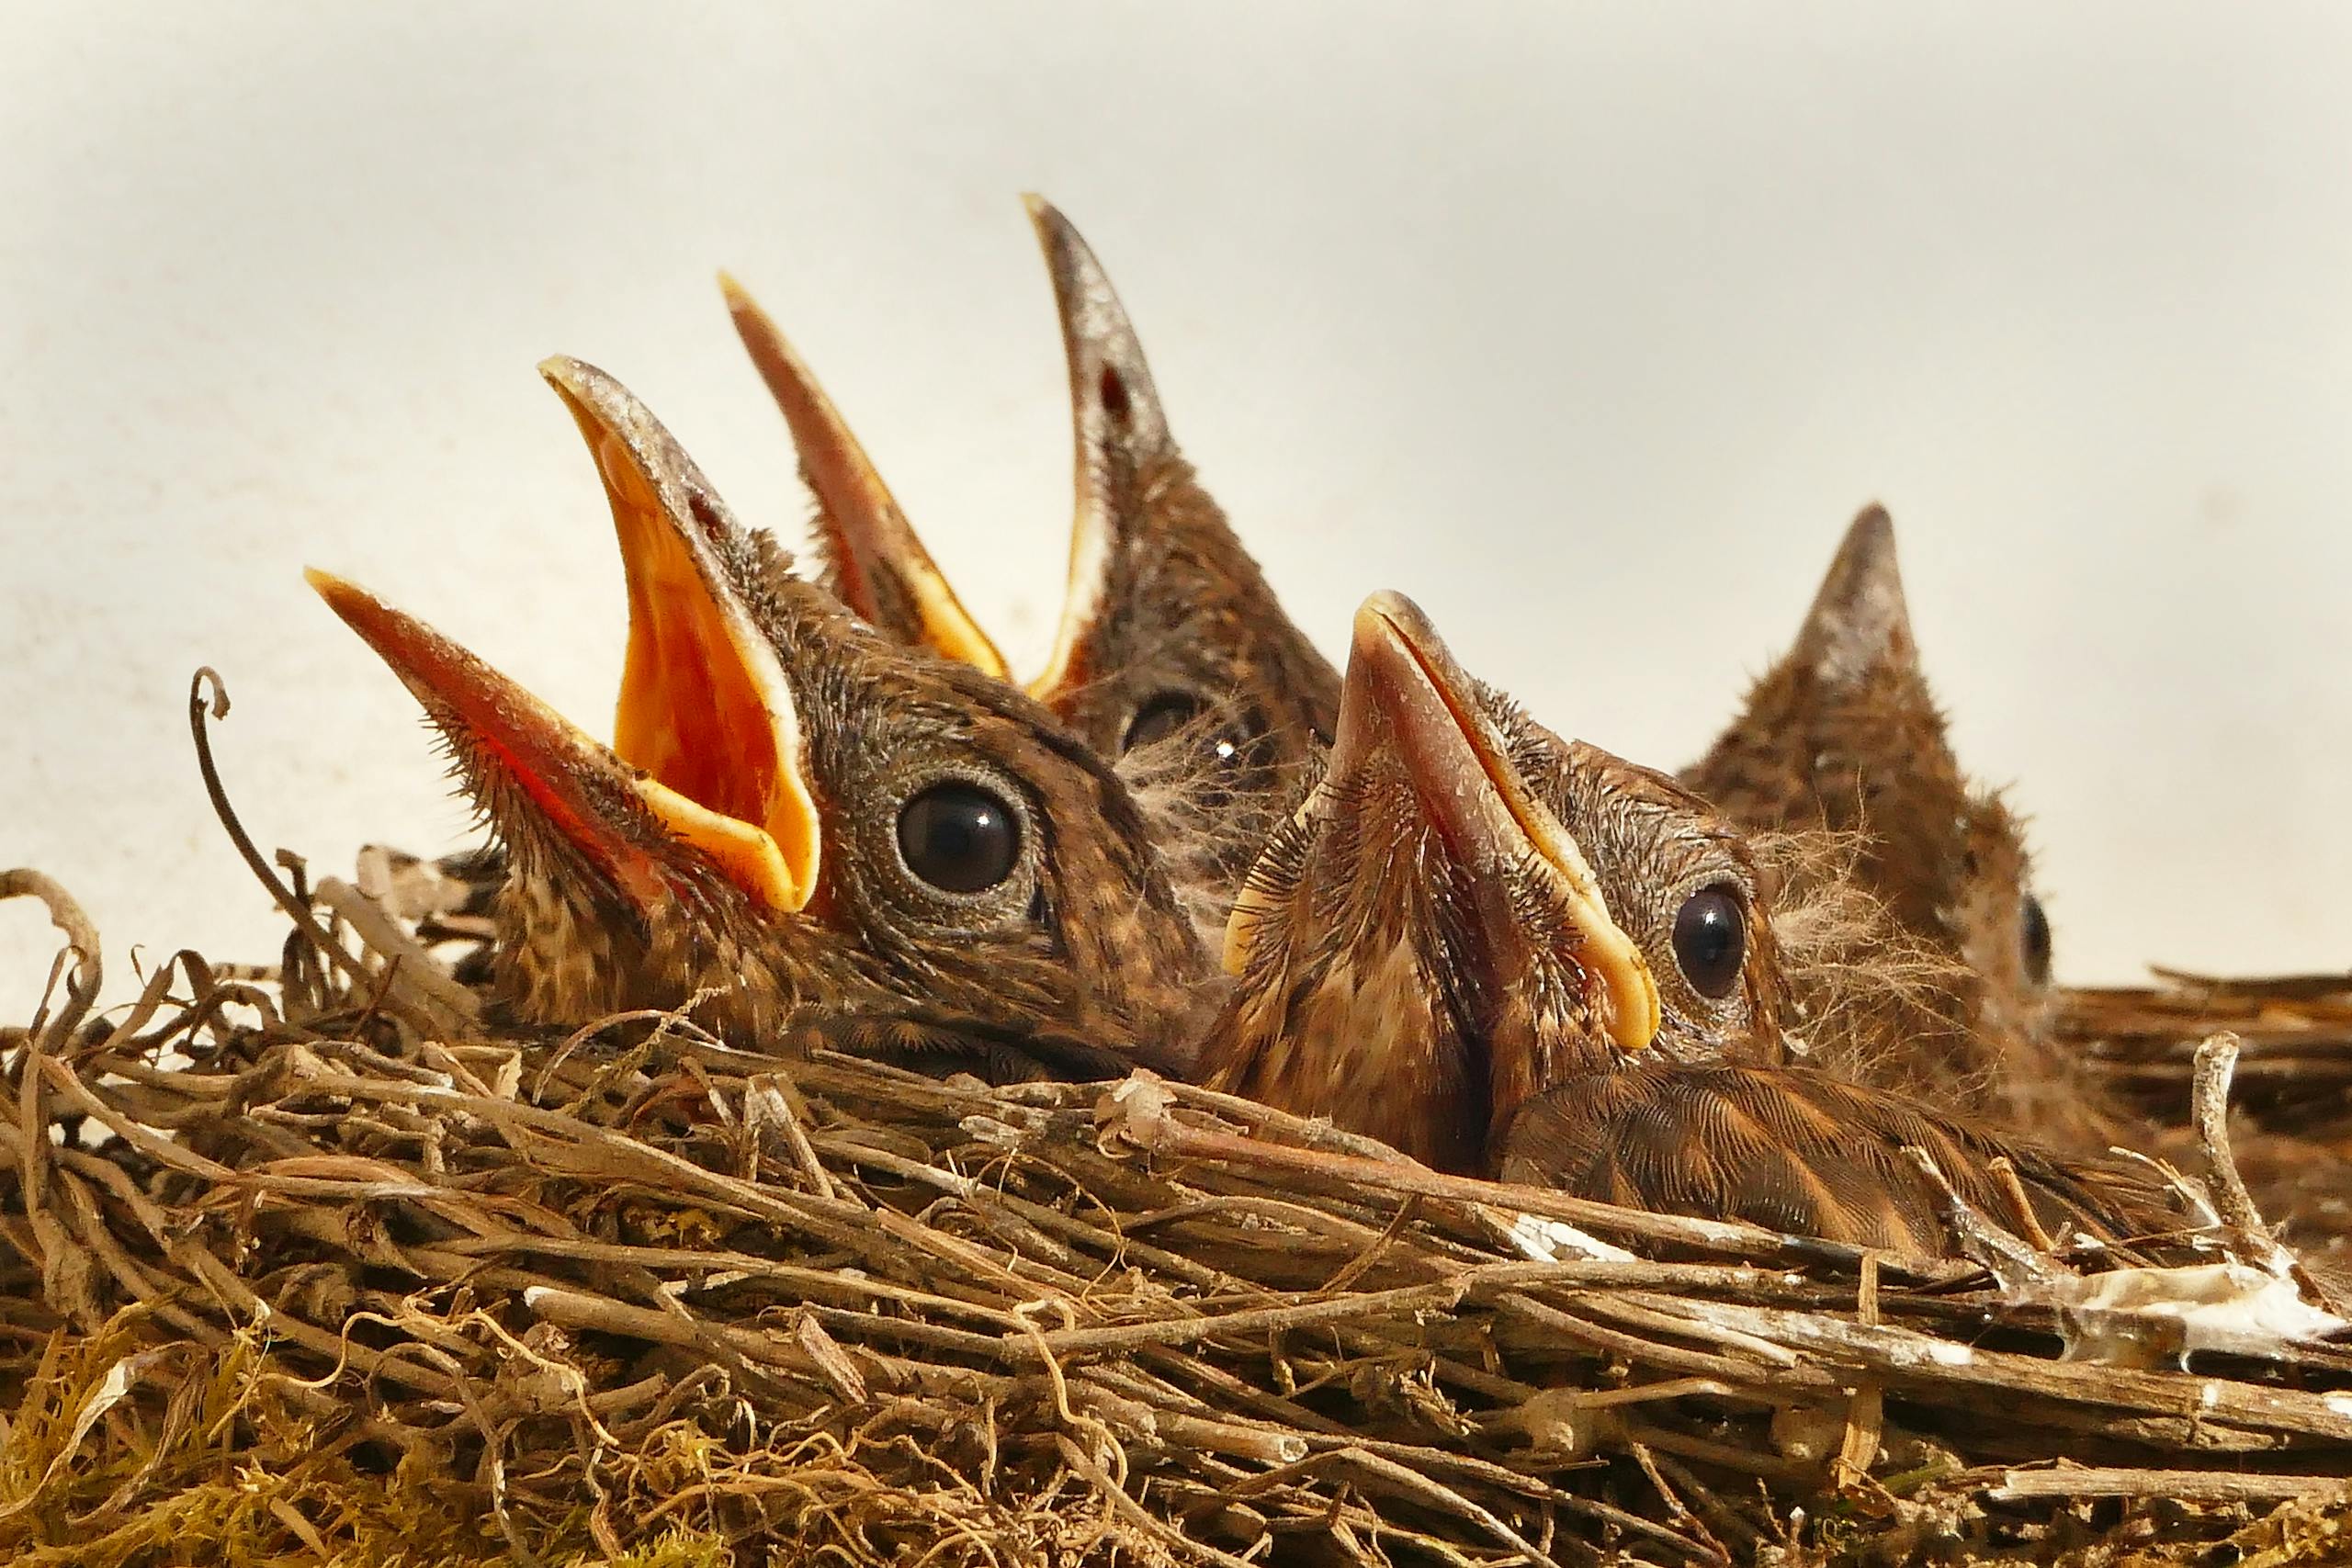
1504, 953
1172, 654
1844, 733
796, 814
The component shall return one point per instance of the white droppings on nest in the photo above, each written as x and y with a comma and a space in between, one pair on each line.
1136, 1111
2227, 1306
1948, 1354
1552, 1241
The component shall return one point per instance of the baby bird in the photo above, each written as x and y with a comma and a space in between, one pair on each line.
1843, 733
1508, 953
796, 815
1173, 652
1466, 908
1172, 656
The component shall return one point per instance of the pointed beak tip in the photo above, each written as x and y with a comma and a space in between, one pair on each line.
739, 303
344, 597
607, 416
1065, 248
561, 373
1387, 623
1873, 524
589, 392
1384, 608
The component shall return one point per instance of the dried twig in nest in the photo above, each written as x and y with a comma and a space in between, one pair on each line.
2292, 1095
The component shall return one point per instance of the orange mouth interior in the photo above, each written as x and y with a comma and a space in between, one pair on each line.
704, 707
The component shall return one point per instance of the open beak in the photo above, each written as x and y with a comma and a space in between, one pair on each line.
509, 742
887, 579
1404, 692
705, 706
1117, 419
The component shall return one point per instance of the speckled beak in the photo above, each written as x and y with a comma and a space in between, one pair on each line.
705, 706
886, 576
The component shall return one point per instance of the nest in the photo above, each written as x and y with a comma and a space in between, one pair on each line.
308, 1263
2295, 1072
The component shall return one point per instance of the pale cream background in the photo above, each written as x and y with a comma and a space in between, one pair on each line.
1589, 327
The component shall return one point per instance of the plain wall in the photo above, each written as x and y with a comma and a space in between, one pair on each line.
1589, 327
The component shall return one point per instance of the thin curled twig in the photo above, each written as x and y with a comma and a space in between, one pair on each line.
82, 942
319, 944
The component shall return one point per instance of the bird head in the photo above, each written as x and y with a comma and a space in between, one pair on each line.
1844, 733
1171, 639
1466, 908
795, 811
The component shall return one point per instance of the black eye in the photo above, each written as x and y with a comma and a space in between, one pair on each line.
1159, 717
2036, 942
1710, 940
959, 837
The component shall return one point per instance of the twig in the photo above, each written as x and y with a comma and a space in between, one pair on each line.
2217, 1058
435, 991
81, 941
294, 908
2186, 1486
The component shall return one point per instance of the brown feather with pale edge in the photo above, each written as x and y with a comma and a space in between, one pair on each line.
1799, 1151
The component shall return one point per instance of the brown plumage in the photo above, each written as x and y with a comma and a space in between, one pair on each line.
1507, 952
1173, 655
1843, 733
1802, 1151
1173, 652
1466, 908
796, 814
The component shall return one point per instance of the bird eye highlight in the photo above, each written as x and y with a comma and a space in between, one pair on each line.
959, 837
2035, 942
1710, 940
